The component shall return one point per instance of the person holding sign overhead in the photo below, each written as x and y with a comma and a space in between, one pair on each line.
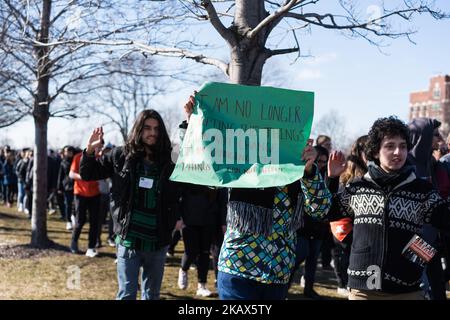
144, 201
258, 252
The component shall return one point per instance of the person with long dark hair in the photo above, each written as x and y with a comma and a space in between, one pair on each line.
143, 201
342, 229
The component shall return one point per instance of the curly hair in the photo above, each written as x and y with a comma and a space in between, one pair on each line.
385, 127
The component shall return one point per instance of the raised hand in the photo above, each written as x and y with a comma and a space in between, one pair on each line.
336, 164
189, 106
95, 140
309, 155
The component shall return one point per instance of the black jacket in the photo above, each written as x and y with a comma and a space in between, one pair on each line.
64, 182
21, 170
203, 206
52, 174
383, 225
122, 171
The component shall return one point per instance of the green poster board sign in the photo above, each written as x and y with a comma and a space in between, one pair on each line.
245, 136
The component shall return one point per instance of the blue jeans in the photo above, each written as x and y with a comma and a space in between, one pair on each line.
129, 262
231, 287
308, 250
20, 193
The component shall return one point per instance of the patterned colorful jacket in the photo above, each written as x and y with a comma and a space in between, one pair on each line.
260, 241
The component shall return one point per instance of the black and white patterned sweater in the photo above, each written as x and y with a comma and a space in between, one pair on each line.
383, 225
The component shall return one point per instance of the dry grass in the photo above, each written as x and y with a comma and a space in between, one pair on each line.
27, 273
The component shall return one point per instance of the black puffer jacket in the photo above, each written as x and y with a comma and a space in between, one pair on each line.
123, 173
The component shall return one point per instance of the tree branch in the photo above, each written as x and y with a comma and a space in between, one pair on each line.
20, 17
282, 51
276, 15
217, 24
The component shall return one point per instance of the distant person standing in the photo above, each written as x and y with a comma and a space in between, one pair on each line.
87, 199
65, 184
327, 246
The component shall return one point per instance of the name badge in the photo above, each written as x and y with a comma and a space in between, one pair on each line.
145, 183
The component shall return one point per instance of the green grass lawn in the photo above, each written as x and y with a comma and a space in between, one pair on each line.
27, 273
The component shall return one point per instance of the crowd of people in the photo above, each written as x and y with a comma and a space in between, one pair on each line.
379, 216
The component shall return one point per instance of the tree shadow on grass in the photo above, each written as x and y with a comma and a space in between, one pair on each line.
27, 251
9, 216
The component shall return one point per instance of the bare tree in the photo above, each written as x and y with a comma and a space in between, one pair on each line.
333, 125
256, 30
45, 69
124, 94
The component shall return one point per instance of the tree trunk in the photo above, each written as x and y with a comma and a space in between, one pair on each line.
246, 66
249, 55
39, 216
41, 115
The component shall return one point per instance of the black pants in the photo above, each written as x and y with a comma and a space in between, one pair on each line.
341, 257
436, 278
197, 242
216, 245
103, 214
83, 205
325, 250
10, 192
61, 205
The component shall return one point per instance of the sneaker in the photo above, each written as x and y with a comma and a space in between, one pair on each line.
302, 282
111, 243
342, 292
202, 291
20, 208
73, 220
91, 253
182, 279
68, 226
51, 211
26, 211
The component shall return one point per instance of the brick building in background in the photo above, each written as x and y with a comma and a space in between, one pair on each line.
433, 103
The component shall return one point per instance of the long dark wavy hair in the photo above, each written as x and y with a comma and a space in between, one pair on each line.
134, 148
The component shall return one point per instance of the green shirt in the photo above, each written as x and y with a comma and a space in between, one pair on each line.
142, 232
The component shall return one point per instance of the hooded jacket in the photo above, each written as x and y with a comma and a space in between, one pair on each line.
421, 138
